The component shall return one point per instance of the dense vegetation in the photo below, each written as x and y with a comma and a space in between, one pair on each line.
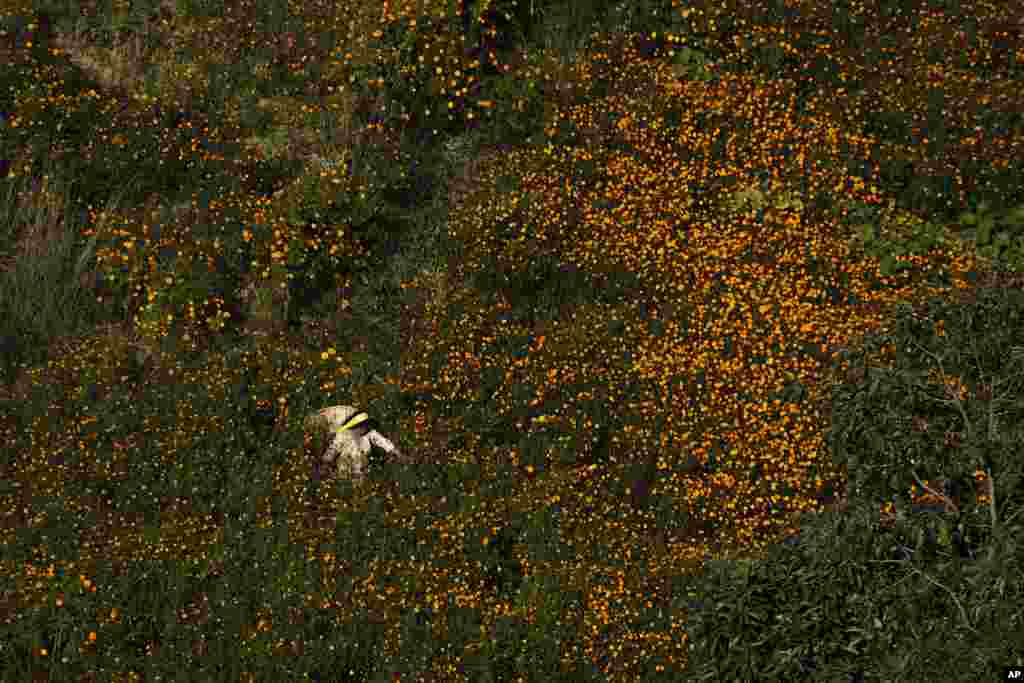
698, 321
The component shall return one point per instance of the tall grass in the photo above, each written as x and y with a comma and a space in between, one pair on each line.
701, 377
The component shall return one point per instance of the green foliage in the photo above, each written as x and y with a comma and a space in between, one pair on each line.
925, 237
988, 331
997, 235
849, 596
567, 26
266, 567
866, 583
409, 87
994, 236
518, 109
42, 297
692, 64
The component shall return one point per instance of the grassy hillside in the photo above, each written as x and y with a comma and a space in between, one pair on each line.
699, 325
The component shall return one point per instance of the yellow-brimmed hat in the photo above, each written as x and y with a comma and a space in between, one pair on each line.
354, 421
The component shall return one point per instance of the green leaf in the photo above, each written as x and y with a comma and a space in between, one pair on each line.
888, 265
988, 251
869, 233
985, 231
151, 534
1015, 218
507, 183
